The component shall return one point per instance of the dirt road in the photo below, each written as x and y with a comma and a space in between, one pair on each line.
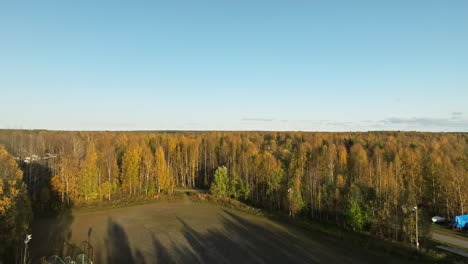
186, 232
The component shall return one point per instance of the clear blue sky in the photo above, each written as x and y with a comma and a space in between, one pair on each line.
234, 65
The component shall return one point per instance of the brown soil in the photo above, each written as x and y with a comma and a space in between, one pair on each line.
184, 232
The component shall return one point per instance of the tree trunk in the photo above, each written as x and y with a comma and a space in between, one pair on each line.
99, 185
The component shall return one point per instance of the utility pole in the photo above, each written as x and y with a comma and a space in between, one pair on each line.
290, 191
417, 237
415, 210
28, 237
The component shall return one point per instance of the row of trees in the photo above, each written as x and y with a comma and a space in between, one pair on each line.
15, 208
356, 179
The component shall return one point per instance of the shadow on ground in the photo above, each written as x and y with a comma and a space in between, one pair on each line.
51, 229
238, 241
118, 247
54, 232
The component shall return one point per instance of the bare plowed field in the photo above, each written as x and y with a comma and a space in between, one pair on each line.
184, 232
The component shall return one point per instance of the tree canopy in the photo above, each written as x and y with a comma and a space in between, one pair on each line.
15, 209
344, 178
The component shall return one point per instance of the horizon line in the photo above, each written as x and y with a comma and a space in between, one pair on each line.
234, 130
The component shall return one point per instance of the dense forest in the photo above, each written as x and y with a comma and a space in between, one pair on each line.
362, 181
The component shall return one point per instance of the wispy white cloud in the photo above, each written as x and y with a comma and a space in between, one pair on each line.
425, 122
108, 124
453, 122
250, 119
457, 115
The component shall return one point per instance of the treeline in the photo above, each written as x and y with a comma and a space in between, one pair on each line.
360, 180
15, 207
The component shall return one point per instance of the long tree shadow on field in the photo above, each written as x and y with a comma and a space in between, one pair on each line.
118, 247
162, 254
238, 241
241, 241
51, 227
50, 235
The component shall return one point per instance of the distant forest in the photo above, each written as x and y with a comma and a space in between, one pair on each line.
361, 181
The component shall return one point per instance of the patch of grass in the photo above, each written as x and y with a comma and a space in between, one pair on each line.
435, 243
329, 233
352, 240
226, 202
443, 229
126, 202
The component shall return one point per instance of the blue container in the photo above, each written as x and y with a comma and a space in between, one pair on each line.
460, 221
